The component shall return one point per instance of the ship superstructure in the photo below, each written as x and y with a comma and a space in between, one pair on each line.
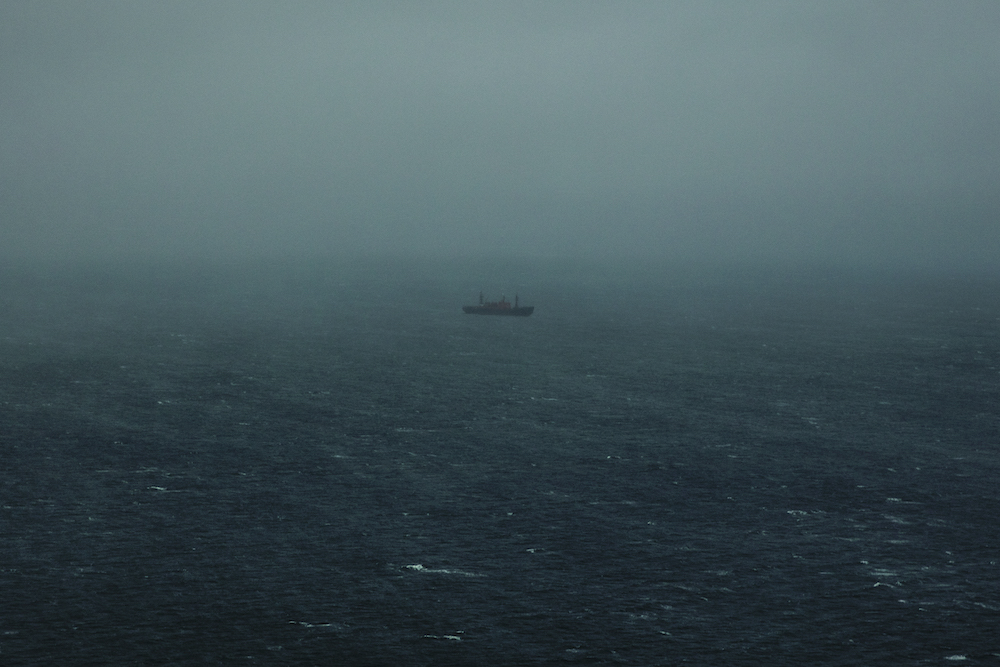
501, 307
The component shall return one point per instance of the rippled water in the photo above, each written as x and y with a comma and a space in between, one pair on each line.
322, 465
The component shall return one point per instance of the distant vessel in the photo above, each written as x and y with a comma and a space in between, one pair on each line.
501, 307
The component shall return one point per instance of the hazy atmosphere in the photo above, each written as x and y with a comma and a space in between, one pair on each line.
848, 132
499, 333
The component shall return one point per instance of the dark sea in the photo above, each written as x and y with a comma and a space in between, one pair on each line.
330, 464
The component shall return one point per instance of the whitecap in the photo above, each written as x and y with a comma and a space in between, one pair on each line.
420, 568
305, 624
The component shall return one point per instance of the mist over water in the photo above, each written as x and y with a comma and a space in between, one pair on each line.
785, 132
752, 419
299, 463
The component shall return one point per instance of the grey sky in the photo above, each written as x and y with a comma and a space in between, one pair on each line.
779, 130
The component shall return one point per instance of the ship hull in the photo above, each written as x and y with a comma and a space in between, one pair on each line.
521, 311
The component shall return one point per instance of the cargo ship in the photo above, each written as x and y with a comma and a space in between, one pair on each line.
501, 307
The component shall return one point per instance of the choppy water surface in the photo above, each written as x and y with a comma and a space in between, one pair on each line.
321, 465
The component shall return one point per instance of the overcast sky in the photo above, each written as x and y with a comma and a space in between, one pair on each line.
772, 130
